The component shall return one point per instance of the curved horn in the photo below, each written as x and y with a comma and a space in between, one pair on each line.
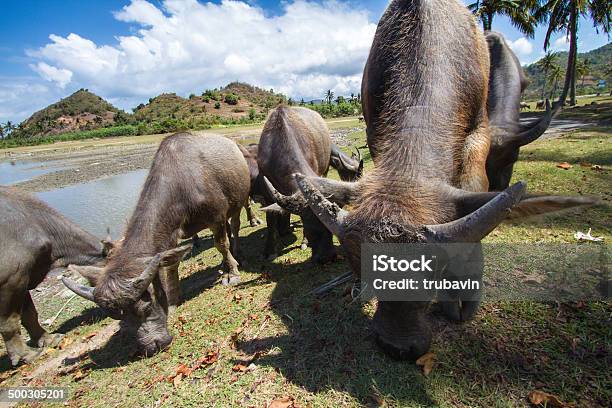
477, 225
294, 203
534, 130
327, 212
358, 157
142, 282
86, 292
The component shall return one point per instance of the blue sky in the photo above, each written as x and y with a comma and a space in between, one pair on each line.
130, 50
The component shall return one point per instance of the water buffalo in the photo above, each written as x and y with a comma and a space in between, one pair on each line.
195, 182
507, 81
295, 140
348, 168
425, 101
34, 240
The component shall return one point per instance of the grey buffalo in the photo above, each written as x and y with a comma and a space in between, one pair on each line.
35, 239
425, 102
195, 182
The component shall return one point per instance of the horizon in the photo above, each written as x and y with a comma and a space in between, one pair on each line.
127, 51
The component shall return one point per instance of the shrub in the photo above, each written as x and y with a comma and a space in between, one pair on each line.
231, 99
217, 105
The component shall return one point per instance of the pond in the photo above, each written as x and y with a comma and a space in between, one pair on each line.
18, 171
99, 204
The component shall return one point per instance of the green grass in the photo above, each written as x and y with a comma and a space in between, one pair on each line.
321, 352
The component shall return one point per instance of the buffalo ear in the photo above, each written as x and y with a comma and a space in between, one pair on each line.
538, 205
174, 256
93, 274
530, 205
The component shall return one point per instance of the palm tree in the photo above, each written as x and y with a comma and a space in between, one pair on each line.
556, 74
329, 96
583, 68
563, 15
546, 64
521, 13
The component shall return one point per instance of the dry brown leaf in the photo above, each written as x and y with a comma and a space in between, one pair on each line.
533, 279
284, 402
65, 343
239, 368
79, 375
564, 166
427, 362
90, 335
544, 398
176, 381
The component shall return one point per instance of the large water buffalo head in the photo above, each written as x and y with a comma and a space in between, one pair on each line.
401, 327
138, 301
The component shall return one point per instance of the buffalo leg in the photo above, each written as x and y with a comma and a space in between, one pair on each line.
171, 285
231, 275
235, 228
272, 239
251, 214
474, 174
29, 318
11, 303
284, 224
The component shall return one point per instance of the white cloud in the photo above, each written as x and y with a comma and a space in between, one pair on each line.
186, 46
21, 96
561, 44
60, 75
522, 47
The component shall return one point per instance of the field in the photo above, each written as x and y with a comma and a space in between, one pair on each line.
270, 339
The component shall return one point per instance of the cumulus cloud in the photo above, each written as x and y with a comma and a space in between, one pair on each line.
522, 47
59, 75
561, 44
21, 96
186, 46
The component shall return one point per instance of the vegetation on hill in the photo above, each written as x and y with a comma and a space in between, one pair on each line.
80, 111
85, 115
593, 66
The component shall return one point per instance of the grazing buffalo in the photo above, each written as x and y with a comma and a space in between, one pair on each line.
425, 102
349, 168
195, 182
35, 239
540, 104
295, 140
507, 81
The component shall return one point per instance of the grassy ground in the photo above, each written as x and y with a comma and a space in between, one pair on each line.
320, 351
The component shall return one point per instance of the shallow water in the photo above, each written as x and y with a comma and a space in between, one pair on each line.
13, 172
98, 204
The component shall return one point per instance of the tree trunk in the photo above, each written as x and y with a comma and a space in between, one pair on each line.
544, 84
571, 58
574, 44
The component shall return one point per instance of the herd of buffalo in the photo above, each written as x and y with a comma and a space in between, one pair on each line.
441, 101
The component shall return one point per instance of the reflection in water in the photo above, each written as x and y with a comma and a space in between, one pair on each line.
14, 172
99, 204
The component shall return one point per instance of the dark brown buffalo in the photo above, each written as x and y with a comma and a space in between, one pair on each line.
507, 82
348, 168
295, 140
425, 102
34, 239
195, 182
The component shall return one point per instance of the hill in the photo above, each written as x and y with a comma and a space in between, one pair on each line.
600, 59
235, 102
80, 111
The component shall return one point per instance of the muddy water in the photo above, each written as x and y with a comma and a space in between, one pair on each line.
13, 172
96, 205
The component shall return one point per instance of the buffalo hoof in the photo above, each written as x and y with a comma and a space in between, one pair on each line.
230, 280
304, 246
404, 348
50, 340
255, 222
27, 356
460, 311
171, 310
271, 257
